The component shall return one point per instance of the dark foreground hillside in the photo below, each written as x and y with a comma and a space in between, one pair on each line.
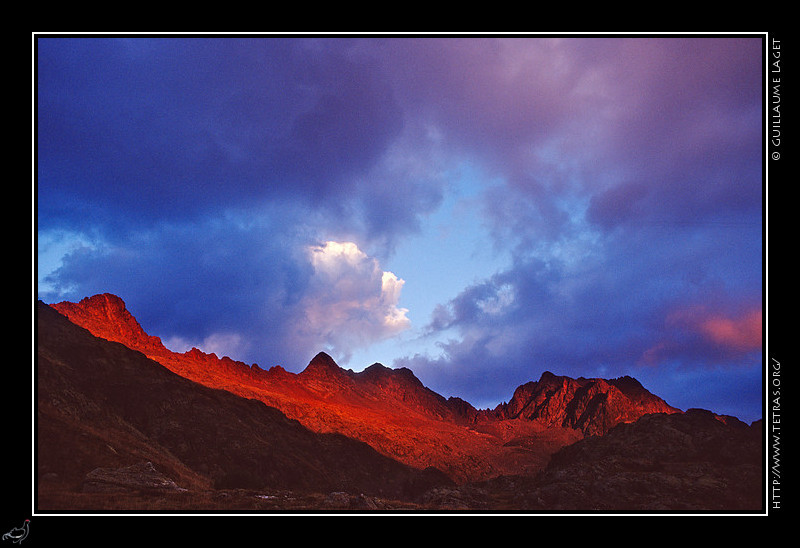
112, 423
116, 431
685, 462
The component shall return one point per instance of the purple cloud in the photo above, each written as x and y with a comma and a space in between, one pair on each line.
183, 127
621, 178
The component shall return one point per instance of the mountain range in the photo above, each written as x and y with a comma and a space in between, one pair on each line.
117, 411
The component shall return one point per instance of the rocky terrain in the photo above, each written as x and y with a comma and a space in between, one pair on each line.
111, 420
123, 421
677, 462
391, 410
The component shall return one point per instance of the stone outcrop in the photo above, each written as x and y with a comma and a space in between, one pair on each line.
137, 477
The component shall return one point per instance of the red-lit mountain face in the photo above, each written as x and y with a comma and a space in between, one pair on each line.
117, 430
392, 411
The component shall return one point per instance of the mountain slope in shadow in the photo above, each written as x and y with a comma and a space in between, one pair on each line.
663, 462
392, 411
117, 410
103, 405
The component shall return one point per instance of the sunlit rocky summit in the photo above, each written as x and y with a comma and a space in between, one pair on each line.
110, 396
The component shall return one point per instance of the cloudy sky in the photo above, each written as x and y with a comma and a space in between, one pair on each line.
479, 210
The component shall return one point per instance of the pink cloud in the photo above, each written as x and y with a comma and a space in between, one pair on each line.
696, 330
742, 333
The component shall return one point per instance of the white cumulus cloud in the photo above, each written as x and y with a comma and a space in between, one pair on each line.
352, 302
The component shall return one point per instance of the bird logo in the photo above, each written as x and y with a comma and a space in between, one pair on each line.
18, 534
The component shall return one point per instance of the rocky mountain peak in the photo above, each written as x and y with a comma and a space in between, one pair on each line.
323, 369
380, 374
102, 306
591, 405
375, 370
324, 359
105, 315
549, 377
323, 362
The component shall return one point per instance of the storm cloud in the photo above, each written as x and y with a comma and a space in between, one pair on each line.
250, 193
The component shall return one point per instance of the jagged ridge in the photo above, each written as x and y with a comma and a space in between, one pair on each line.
391, 410
106, 411
593, 406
